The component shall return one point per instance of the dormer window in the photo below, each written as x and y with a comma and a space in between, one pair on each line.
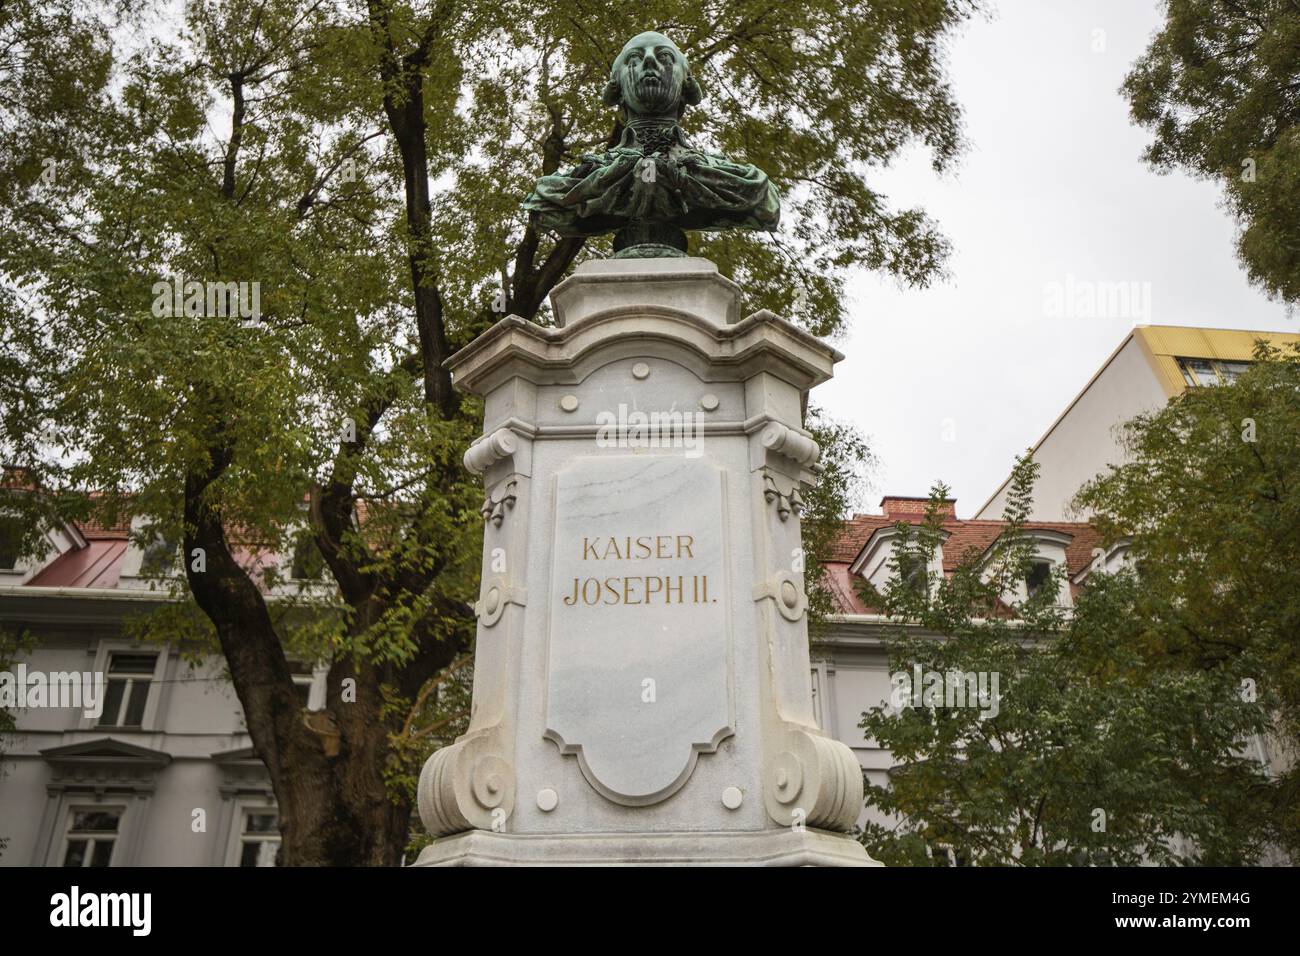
1197, 371
876, 562
1039, 576
1049, 553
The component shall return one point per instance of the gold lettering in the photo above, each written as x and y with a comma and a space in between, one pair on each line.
668, 590
636, 590
627, 588
612, 591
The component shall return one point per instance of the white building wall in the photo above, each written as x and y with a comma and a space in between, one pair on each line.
1083, 440
194, 716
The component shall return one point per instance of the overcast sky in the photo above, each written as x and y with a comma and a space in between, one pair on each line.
953, 381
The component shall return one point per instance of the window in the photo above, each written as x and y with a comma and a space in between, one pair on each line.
259, 837
159, 559
11, 536
1210, 371
1230, 371
92, 834
1039, 574
307, 561
915, 576
943, 855
304, 681
129, 677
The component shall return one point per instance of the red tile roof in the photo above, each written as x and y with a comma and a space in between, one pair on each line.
966, 539
965, 536
856, 532
99, 565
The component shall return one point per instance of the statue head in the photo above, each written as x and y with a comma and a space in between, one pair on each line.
650, 77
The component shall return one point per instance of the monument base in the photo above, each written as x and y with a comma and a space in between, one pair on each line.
784, 847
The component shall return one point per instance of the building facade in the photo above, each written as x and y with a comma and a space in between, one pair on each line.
163, 773
851, 669
154, 766
1152, 365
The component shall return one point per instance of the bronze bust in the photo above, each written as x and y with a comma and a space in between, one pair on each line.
653, 185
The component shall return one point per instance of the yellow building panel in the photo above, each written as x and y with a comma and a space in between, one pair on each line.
1163, 345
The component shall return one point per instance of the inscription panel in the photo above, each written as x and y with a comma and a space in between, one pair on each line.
638, 677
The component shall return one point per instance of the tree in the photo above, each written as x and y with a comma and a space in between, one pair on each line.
1076, 751
846, 465
350, 173
1209, 495
1218, 88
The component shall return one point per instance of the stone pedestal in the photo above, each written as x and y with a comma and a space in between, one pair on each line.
641, 682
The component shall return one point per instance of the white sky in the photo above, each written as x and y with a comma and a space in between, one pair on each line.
1052, 186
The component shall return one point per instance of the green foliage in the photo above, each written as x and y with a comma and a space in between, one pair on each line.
1217, 88
1209, 495
362, 166
434, 719
846, 464
1082, 753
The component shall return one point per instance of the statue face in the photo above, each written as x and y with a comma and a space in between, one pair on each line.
651, 74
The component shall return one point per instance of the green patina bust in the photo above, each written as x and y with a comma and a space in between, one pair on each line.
653, 185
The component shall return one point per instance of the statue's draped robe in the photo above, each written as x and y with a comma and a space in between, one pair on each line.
689, 189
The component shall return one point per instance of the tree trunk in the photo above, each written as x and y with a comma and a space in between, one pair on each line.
334, 810
327, 768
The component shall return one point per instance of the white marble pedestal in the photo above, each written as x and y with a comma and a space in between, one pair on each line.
641, 683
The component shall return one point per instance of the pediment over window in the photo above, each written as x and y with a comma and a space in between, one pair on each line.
242, 772
106, 752
105, 763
